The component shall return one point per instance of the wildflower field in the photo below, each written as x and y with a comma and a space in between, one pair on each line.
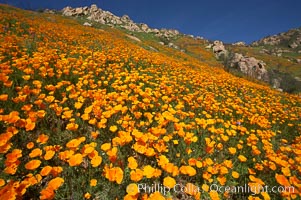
88, 114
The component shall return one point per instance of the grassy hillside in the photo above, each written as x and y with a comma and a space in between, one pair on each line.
89, 113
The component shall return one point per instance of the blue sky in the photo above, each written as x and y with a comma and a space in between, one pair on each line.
229, 21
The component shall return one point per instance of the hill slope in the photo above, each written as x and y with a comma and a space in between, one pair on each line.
94, 113
274, 60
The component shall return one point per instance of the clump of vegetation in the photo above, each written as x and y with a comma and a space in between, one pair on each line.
287, 82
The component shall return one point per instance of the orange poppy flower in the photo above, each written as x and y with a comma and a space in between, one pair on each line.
29, 124
27, 107
72, 126
85, 117
242, 158
4, 148
93, 182
41, 113
65, 155
13, 156
114, 174
169, 182
286, 171
3, 97
112, 153
2, 182
87, 195
78, 105
265, 195
75, 160
171, 168
33, 164
162, 161
199, 164
94, 134
257, 180
105, 146
88, 148
96, 161
67, 114
49, 154
42, 139
191, 189
11, 169
56, 171
208, 162
282, 180
255, 187
13, 117
235, 174
46, 170
93, 154
295, 181
251, 171
4, 138
222, 180
29, 145
88, 109
206, 176
214, 195
136, 175
49, 99
156, 196
55, 183
223, 170
47, 193
157, 173
188, 170
113, 128
73, 144
239, 146
132, 163
148, 171
132, 189
232, 150
192, 161
35, 152
31, 180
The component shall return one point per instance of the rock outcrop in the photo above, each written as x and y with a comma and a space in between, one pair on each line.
172, 45
96, 14
240, 43
219, 49
272, 40
274, 51
291, 39
168, 33
49, 11
249, 66
295, 44
87, 24
133, 38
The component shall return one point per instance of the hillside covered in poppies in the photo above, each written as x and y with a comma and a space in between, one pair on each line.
94, 113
